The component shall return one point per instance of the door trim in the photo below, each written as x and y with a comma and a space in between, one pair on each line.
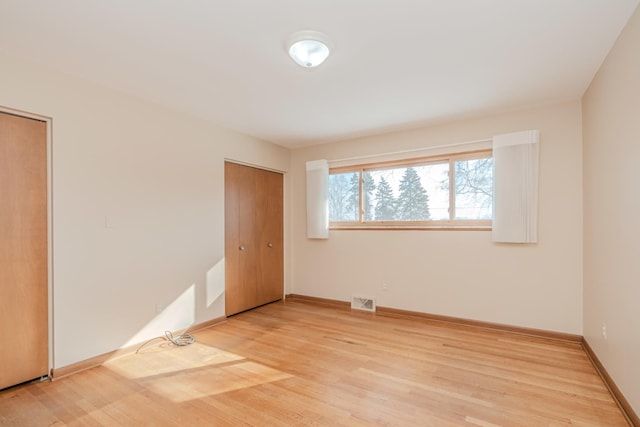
49, 143
254, 165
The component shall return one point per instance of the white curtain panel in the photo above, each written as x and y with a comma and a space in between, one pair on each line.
515, 187
318, 199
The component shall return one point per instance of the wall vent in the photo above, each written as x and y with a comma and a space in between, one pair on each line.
363, 303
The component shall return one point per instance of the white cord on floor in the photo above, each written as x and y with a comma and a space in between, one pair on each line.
184, 339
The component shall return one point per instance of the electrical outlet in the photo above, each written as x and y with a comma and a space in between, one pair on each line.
159, 308
385, 286
604, 331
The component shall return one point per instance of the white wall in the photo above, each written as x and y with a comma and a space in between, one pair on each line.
611, 128
459, 273
157, 177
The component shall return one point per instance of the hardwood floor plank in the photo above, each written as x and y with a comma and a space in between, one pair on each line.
292, 363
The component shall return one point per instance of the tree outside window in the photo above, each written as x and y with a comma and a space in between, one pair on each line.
415, 192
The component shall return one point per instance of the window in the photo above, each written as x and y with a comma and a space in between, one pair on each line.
448, 191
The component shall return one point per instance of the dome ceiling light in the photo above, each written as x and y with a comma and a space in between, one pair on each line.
308, 48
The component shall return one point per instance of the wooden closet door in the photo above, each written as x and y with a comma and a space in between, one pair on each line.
254, 260
24, 337
269, 203
241, 281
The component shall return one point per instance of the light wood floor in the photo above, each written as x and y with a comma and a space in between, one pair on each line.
302, 364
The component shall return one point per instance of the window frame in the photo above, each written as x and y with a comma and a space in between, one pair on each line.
450, 224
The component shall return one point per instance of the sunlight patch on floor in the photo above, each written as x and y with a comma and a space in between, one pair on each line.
166, 358
198, 384
192, 372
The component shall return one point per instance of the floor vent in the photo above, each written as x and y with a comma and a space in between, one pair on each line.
363, 303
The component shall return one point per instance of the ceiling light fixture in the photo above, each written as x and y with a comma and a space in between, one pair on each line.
308, 48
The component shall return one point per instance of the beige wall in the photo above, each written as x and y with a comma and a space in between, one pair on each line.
157, 177
459, 273
611, 128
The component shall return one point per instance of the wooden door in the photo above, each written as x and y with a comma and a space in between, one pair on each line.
254, 254
24, 337
269, 239
241, 279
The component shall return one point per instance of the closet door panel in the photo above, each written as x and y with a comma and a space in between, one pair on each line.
241, 282
24, 332
270, 237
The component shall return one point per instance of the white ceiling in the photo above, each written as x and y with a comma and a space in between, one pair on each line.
396, 64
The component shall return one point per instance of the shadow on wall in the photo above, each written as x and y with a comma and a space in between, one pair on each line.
182, 312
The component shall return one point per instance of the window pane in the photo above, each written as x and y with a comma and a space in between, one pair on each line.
412, 193
415, 192
344, 199
474, 187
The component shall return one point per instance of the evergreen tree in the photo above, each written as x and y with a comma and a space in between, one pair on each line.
353, 202
413, 201
386, 203
368, 187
